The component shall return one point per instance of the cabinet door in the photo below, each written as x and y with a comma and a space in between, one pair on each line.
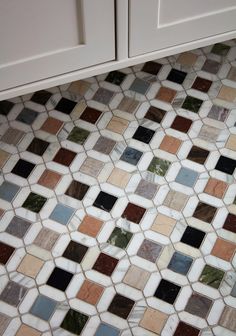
159, 24
44, 38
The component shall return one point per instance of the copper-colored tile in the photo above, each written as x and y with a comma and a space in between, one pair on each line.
117, 125
216, 187
49, 179
129, 105
4, 156
170, 144
119, 178
30, 266
90, 226
163, 224
166, 94
52, 125
187, 58
153, 320
227, 93
90, 292
223, 249
136, 277
231, 143
25, 330
133, 213
181, 124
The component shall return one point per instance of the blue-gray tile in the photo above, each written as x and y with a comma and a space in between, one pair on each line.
139, 86
43, 307
8, 191
180, 263
27, 116
131, 156
107, 330
62, 214
186, 177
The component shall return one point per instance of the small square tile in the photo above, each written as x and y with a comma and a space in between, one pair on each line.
232, 74
13, 293
8, 191
121, 306
184, 329
180, 263
170, 144
220, 49
166, 94
74, 322
181, 124
187, 177
198, 305
4, 156
159, 166
38, 146
75, 251
107, 330
146, 189
117, 125
104, 145
209, 134
216, 187
230, 223
41, 97
149, 250
155, 114
18, 227
211, 276
103, 96
90, 115
120, 238
26, 330
115, 77
223, 249
105, 264
79, 87
205, 212
175, 200
1, 212
119, 178
30, 266
65, 105
202, 84
128, 105
167, 291
64, 156
92, 167
198, 155
153, 320
193, 237
226, 165
49, 179
46, 239
143, 134
90, 292
90, 226
192, 104
140, 86
52, 125
6, 251
136, 277
23, 168
77, 190
231, 143
4, 321
105, 201
62, 214
227, 93
78, 135
12, 136
131, 155
59, 279
228, 318
163, 224
34, 202
218, 113
176, 76
27, 116
187, 58
233, 292
152, 68
5, 107
211, 66
43, 307
133, 213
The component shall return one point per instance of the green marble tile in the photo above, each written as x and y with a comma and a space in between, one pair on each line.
78, 135
159, 166
192, 104
211, 276
74, 322
34, 202
120, 238
220, 49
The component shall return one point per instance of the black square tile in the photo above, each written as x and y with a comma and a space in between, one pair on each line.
143, 134
27, 116
115, 77
5, 107
192, 104
152, 68
198, 155
105, 264
6, 252
155, 114
131, 155
65, 105
226, 165
59, 279
193, 237
74, 322
75, 251
23, 168
167, 291
34, 202
38, 146
105, 201
177, 76
121, 306
41, 97
77, 190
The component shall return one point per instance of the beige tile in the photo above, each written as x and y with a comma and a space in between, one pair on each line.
228, 319
231, 143
30, 266
136, 277
46, 239
4, 156
175, 200
227, 93
117, 125
128, 105
79, 87
163, 224
153, 320
91, 167
27, 331
119, 178
187, 58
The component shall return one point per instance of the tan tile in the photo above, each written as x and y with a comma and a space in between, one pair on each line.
4, 321
153, 320
231, 143
49, 179
227, 93
175, 200
128, 105
170, 144
187, 58
117, 125
136, 277
119, 178
4, 156
46, 239
228, 319
90, 292
30, 266
91, 167
79, 87
166, 94
216, 187
223, 249
90, 226
52, 125
163, 224
1, 212
27, 331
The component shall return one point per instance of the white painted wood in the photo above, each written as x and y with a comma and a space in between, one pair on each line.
122, 29
158, 24
41, 39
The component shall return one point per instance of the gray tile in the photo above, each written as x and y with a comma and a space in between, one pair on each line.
62, 214
149, 250
4, 321
13, 293
46, 239
146, 189
8, 191
139, 86
104, 145
43, 307
27, 116
18, 227
103, 96
187, 177
233, 292
218, 113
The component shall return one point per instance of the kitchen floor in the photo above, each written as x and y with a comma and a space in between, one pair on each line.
118, 202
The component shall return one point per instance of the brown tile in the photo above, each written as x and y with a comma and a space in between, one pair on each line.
230, 223
166, 94
211, 66
25, 330
202, 84
198, 154
187, 58
46, 239
12, 136
175, 200
228, 319
119, 178
90, 292
4, 156
91, 167
79, 87
77, 190
52, 125
133, 213
104, 145
6, 252
163, 224
30, 266
129, 105
1, 212
49, 179
152, 67
117, 125
227, 93
216, 187
136, 277
223, 249
4, 321
232, 74
155, 114
205, 212
105, 264
231, 143
198, 305
121, 306
153, 320
170, 144
64, 157
184, 329
90, 226
90, 115
181, 124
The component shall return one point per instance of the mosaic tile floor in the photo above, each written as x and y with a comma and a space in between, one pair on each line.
118, 202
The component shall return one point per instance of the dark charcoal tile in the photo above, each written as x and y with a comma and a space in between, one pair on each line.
226, 165
107, 330
152, 68
64, 157
75, 251
105, 201
205, 212
38, 146
104, 145
6, 252
78, 135
149, 250
176, 76
27, 116
155, 114
34, 202
140, 86
133, 213
198, 305
211, 276
131, 156
184, 329
18, 227
41, 97
43, 307
167, 291
77, 190
59, 279
143, 134
230, 223
202, 84
192, 104
121, 306
8, 191
218, 113
5, 107
115, 77
181, 124
105, 264
74, 322
13, 293
193, 237
103, 96
220, 49
180, 263
90, 115
211, 66
65, 105
198, 155
23, 168
120, 238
